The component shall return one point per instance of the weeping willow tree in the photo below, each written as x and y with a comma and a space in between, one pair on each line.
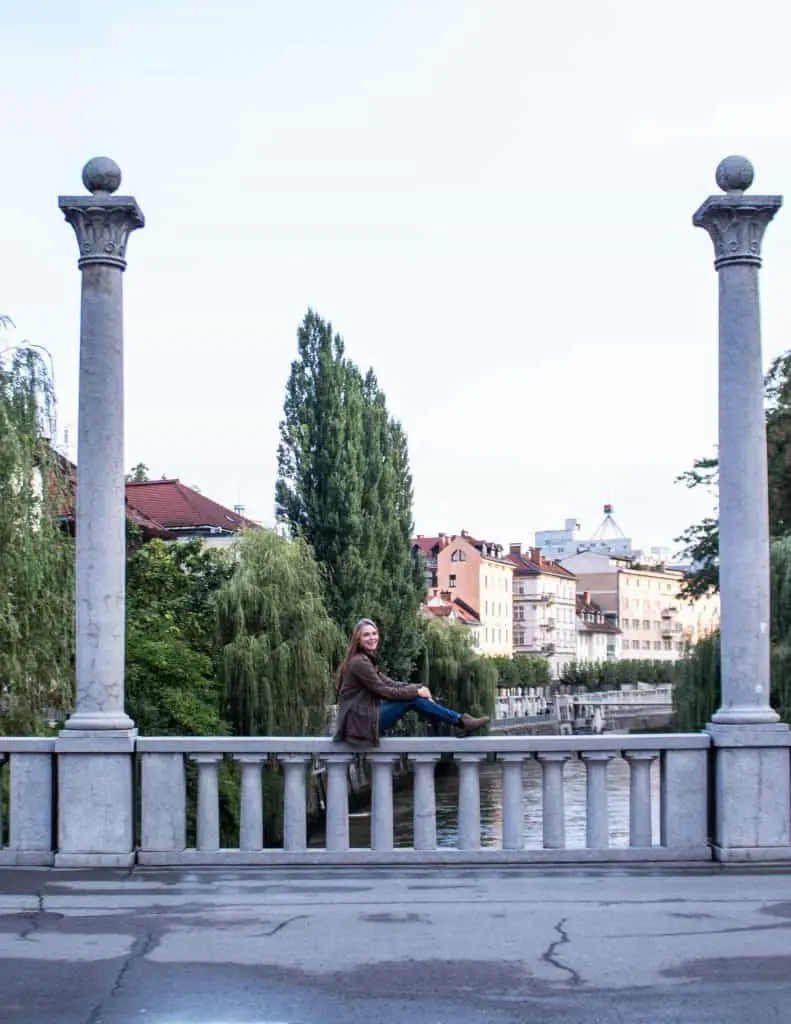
456, 675
697, 693
36, 557
279, 647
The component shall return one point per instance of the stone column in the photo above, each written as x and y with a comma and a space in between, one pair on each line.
752, 776
95, 766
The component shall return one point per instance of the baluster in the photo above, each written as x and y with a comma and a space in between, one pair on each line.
251, 818
208, 837
513, 825
553, 808
337, 827
469, 801
597, 829
163, 800
382, 800
424, 812
295, 805
640, 795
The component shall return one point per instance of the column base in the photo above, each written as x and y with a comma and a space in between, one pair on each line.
95, 799
752, 785
752, 854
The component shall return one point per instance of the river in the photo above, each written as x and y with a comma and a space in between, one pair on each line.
491, 807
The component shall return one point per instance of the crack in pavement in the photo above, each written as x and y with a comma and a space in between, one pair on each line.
549, 955
141, 948
284, 924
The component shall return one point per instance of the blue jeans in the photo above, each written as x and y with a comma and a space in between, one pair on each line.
392, 711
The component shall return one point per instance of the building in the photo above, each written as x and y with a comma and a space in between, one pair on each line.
444, 606
475, 573
183, 512
597, 639
607, 539
544, 608
643, 601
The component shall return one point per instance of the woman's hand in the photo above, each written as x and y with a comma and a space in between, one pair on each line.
424, 692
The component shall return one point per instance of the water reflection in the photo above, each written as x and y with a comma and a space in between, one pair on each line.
491, 807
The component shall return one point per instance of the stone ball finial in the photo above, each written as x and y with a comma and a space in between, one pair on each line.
101, 174
735, 174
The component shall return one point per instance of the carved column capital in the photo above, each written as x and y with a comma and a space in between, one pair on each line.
102, 221
736, 222
102, 225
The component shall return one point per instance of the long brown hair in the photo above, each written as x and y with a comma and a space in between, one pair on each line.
352, 649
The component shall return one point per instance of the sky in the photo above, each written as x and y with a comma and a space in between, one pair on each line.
490, 200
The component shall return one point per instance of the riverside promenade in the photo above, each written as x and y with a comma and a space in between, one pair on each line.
369, 945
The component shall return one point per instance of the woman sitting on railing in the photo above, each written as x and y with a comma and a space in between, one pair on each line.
369, 703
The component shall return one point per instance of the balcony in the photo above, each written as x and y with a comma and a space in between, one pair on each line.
540, 598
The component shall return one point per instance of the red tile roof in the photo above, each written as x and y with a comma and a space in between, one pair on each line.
178, 507
535, 564
441, 609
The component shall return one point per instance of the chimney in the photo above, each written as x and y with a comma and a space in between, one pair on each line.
515, 549
464, 533
586, 597
535, 555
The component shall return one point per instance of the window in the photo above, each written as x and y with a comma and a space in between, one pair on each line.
485, 580
646, 624
486, 608
458, 556
646, 645
500, 608
657, 625
521, 588
625, 624
487, 634
657, 645
452, 580
635, 623
667, 645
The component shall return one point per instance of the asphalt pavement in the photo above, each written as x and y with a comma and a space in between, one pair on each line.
377, 946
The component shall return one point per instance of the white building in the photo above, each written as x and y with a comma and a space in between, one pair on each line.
607, 539
597, 639
544, 608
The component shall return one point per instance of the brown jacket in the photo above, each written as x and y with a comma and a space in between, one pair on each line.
363, 689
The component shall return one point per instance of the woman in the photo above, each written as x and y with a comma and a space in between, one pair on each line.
370, 703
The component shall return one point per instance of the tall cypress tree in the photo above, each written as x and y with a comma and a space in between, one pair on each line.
344, 485
318, 493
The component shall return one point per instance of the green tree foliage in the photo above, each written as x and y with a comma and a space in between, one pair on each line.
36, 555
279, 648
697, 692
138, 474
700, 542
456, 674
522, 670
171, 688
608, 675
345, 487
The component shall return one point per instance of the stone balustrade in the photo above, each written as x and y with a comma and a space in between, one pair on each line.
26, 824
683, 811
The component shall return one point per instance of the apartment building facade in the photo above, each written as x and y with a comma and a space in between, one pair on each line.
597, 639
644, 603
544, 598
475, 572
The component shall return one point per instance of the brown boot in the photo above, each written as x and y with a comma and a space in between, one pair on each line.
467, 725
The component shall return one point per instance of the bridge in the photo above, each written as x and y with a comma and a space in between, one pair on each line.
641, 708
99, 795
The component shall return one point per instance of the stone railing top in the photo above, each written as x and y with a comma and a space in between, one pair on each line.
312, 745
27, 745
